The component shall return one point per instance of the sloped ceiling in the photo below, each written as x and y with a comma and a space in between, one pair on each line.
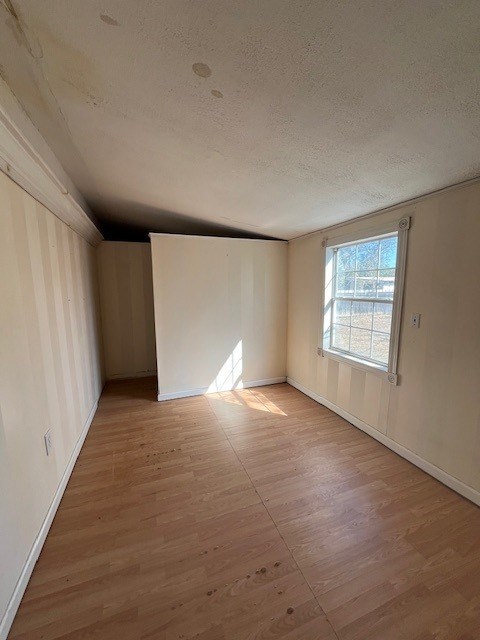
273, 118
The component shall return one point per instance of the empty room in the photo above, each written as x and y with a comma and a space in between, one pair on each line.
240, 320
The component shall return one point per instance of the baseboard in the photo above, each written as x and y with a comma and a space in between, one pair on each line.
450, 481
32, 558
264, 383
130, 376
161, 397
204, 390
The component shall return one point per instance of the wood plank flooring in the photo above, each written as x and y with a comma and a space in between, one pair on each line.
244, 515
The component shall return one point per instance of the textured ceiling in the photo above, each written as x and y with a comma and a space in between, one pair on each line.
273, 117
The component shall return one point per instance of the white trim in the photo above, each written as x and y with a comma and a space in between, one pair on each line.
375, 232
162, 397
205, 390
398, 294
27, 160
393, 207
439, 474
356, 363
153, 234
32, 558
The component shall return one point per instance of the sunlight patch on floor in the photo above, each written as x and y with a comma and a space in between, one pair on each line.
251, 399
229, 380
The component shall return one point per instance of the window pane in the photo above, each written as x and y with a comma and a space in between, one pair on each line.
388, 253
346, 258
366, 284
342, 312
361, 342
345, 284
367, 255
341, 337
382, 317
362, 315
386, 283
380, 347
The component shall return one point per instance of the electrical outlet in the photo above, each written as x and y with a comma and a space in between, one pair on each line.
48, 442
415, 320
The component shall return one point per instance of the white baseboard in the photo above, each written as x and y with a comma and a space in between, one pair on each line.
161, 397
32, 558
204, 390
441, 475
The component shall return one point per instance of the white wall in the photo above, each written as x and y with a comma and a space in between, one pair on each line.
50, 371
435, 411
126, 297
220, 312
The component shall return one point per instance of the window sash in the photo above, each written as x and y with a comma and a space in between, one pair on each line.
354, 355
371, 330
353, 299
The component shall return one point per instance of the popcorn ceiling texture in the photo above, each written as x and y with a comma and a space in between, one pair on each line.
274, 118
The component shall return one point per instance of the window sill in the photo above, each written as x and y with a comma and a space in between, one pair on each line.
356, 363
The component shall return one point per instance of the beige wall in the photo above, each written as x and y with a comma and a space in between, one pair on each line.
220, 312
126, 297
435, 411
50, 373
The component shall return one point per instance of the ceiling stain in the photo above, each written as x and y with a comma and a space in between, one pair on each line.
109, 20
22, 34
216, 93
72, 74
202, 69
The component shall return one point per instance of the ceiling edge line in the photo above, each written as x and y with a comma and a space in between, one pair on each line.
193, 235
393, 207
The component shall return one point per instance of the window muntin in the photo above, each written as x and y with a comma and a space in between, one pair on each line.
363, 288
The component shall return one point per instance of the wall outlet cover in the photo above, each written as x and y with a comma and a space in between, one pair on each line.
415, 320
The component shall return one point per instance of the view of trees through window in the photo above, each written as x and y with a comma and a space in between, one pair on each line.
364, 283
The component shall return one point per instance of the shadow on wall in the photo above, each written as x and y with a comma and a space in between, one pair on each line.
116, 223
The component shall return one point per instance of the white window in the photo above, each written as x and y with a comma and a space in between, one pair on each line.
363, 295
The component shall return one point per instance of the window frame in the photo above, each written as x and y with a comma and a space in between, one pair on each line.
400, 227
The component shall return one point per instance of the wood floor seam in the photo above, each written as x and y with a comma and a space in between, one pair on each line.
276, 527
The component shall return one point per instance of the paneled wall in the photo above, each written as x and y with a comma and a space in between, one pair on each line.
435, 410
50, 367
220, 312
126, 294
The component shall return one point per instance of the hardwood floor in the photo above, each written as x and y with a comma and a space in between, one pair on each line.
251, 514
